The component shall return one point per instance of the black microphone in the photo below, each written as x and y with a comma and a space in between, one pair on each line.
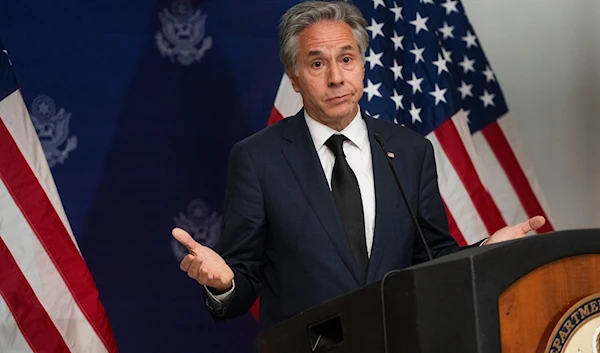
410, 210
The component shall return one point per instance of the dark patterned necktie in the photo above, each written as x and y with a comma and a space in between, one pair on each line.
346, 193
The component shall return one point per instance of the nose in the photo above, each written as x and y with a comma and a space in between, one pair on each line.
336, 76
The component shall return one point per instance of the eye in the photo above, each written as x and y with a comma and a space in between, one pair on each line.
317, 64
346, 59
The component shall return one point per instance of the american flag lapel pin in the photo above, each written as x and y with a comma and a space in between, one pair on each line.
391, 155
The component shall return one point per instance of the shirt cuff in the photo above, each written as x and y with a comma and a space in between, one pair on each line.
217, 300
484, 241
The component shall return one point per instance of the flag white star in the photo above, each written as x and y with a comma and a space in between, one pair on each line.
397, 100
427, 2
414, 113
375, 28
374, 59
487, 99
397, 12
397, 70
419, 23
465, 90
415, 83
441, 64
489, 75
447, 31
439, 94
372, 115
447, 55
450, 5
372, 90
470, 39
467, 113
377, 3
467, 65
397, 41
418, 52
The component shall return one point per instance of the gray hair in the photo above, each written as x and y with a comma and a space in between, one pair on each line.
307, 13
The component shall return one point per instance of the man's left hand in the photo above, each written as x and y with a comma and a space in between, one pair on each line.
517, 231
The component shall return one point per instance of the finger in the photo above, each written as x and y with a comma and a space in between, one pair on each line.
203, 277
186, 262
194, 269
533, 223
213, 279
537, 222
185, 239
204, 273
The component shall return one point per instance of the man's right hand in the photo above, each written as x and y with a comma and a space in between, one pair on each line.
203, 264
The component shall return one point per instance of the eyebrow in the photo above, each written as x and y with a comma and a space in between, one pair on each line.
319, 52
314, 53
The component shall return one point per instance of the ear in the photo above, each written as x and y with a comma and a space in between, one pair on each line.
293, 78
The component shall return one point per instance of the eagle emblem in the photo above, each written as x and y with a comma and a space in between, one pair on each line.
52, 128
183, 30
203, 224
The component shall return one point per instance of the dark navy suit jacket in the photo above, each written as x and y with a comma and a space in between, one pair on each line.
282, 234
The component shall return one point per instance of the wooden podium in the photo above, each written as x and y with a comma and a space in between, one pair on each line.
514, 297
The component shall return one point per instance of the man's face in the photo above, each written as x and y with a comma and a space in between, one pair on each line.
330, 71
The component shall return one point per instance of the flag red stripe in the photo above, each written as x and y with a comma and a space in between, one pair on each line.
505, 155
274, 117
34, 323
454, 230
458, 156
254, 308
37, 209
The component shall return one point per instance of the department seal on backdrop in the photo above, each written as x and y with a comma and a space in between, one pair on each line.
203, 224
182, 37
52, 128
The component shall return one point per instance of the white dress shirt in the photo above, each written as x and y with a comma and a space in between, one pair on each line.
358, 154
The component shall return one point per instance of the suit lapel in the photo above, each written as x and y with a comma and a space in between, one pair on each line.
302, 158
386, 201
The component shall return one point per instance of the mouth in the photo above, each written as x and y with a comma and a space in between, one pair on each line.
338, 98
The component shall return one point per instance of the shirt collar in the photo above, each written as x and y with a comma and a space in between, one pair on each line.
356, 131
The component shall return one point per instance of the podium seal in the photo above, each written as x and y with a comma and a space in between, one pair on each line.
578, 330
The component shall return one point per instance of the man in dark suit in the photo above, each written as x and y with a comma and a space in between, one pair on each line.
312, 210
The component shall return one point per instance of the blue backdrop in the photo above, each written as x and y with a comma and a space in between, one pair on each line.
147, 99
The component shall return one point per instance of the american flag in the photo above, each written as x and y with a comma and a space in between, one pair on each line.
48, 299
426, 70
